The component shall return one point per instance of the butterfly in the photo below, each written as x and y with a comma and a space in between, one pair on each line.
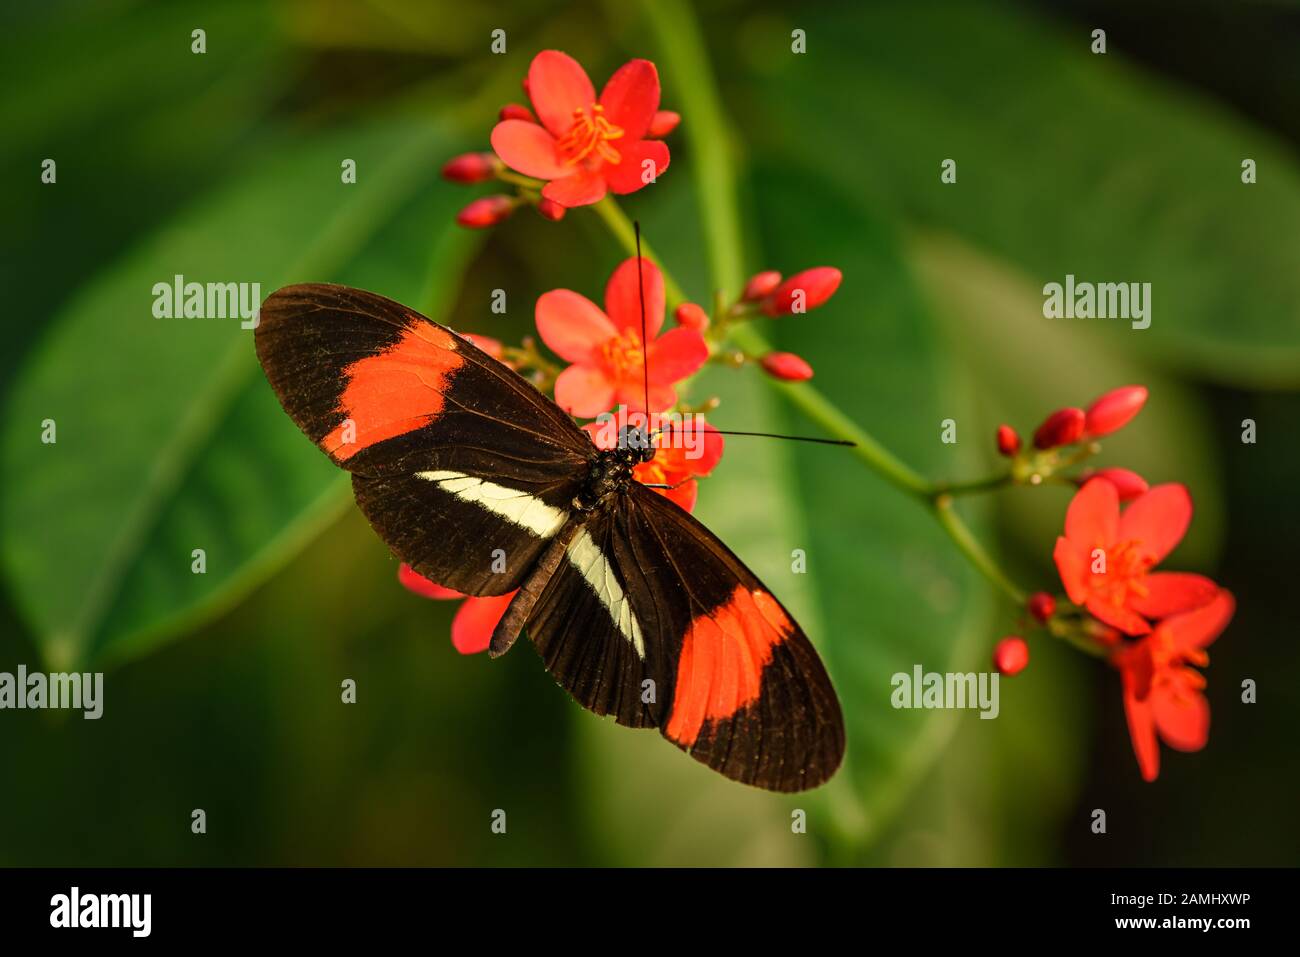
484, 485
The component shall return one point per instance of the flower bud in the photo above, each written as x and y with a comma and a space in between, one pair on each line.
803, 291
485, 212
551, 209
1008, 440
470, 168
786, 366
1115, 409
663, 123
1011, 655
1129, 484
1041, 605
760, 284
513, 111
1062, 427
691, 316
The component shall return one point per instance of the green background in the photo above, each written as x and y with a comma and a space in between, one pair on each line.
223, 690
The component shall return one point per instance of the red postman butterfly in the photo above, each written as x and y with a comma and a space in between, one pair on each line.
637, 609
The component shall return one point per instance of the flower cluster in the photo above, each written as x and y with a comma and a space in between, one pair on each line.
1152, 626
570, 150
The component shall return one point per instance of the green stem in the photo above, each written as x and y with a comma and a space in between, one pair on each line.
619, 224
969, 545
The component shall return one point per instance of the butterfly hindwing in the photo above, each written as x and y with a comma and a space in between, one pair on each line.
463, 468
655, 597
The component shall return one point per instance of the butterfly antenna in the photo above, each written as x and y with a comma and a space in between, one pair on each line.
645, 366
645, 345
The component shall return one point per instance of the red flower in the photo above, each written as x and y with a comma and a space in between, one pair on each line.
1162, 692
684, 450
582, 145
1105, 558
606, 349
476, 619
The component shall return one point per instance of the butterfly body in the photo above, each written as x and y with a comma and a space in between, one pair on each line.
482, 484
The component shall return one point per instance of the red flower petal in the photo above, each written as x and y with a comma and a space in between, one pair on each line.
631, 97
676, 354
571, 325
1158, 519
1183, 720
1197, 629
1142, 732
425, 587
1072, 562
629, 174
1169, 593
471, 629
623, 298
584, 391
1093, 516
558, 85
528, 148
577, 189
632, 394
1128, 483
1127, 621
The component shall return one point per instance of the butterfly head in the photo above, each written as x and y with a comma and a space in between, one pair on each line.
634, 445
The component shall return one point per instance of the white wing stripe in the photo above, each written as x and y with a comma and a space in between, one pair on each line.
591, 563
520, 508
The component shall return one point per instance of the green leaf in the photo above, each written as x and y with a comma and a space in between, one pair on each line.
1067, 163
169, 439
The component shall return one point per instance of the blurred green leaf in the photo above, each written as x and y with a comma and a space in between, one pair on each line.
1067, 163
169, 438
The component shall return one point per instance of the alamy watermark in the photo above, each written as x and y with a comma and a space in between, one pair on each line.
83, 691
179, 299
934, 689
1103, 300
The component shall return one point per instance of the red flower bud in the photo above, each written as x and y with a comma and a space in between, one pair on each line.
1129, 484
1011, 655
786, 366
1114, 409
691, 316
1062, 427
551, 210
1008, 440
1041, 605
663, 123
485, 212
760, 284
803, 291
470, 168
513, 111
